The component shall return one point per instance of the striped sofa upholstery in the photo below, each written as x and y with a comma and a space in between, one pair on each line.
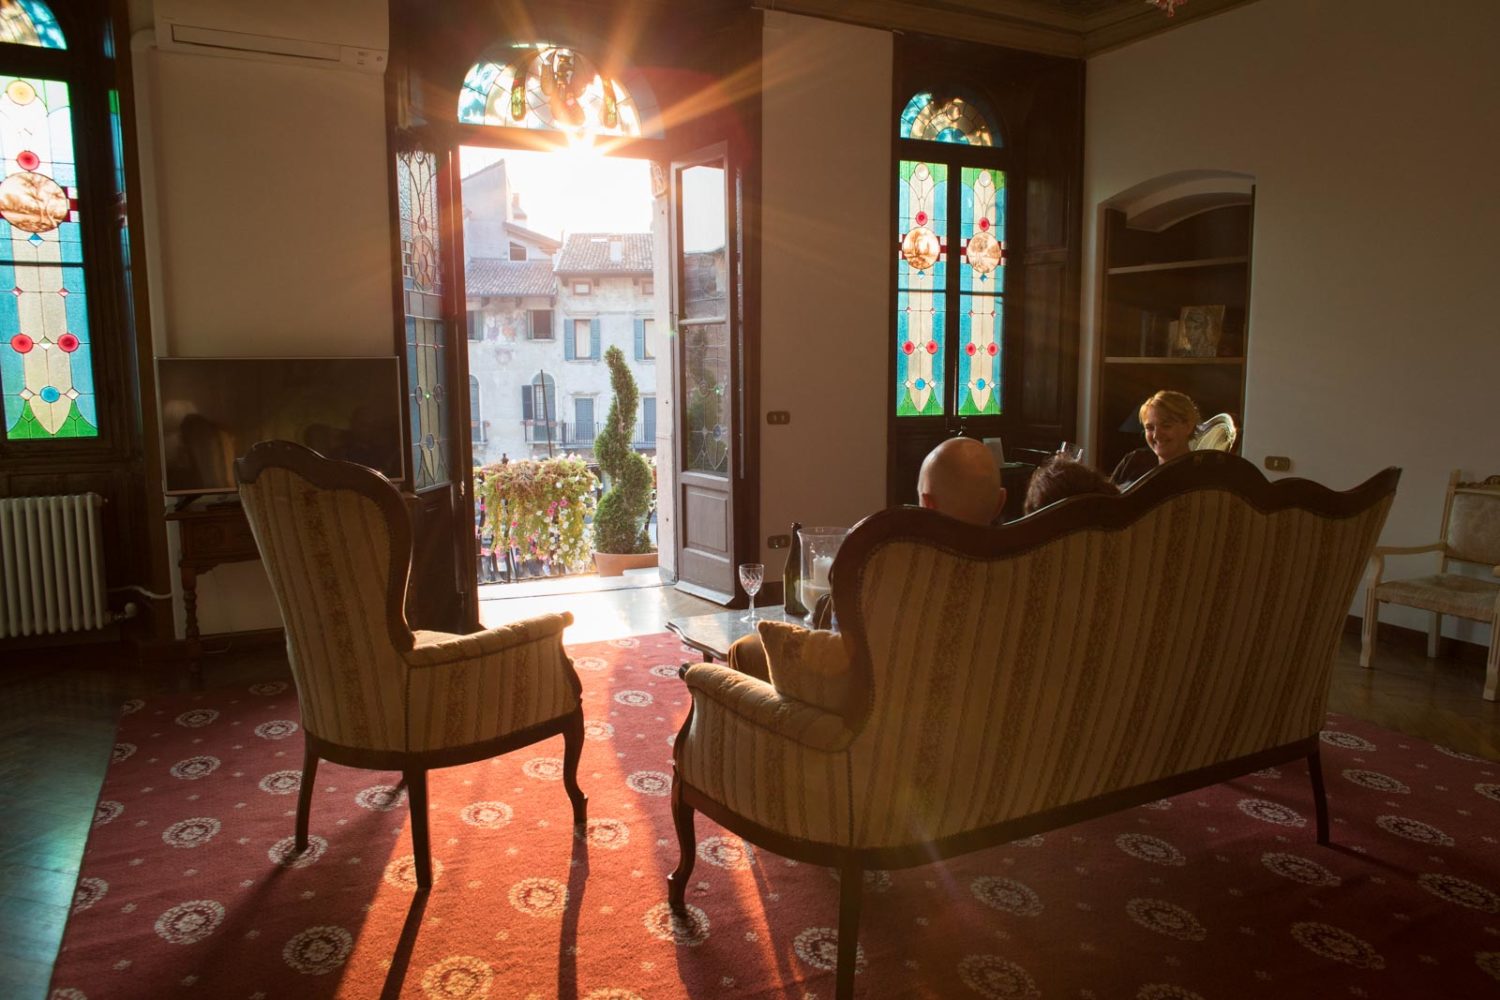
1103, 644
338, 564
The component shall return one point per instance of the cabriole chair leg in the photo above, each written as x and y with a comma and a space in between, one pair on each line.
572, 753
1320, 797
687, 847
304, 795
851, 889
416, 804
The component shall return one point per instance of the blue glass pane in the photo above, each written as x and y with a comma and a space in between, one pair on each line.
981, 356
982, 251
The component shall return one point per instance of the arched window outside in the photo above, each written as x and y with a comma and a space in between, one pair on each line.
950, 266
543, 86
476, 424
539, 407
46, 357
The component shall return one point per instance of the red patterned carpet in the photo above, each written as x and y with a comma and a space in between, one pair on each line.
188, 891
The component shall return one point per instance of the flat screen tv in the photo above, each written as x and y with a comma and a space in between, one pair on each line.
214, 409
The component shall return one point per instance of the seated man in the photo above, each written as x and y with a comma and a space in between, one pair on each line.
1060, 478
958, 478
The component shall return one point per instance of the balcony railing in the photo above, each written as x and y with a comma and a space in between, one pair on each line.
570, 436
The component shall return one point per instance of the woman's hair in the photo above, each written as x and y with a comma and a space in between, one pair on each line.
1177, 407
1059, 478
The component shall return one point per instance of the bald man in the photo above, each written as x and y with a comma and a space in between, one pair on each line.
960, 478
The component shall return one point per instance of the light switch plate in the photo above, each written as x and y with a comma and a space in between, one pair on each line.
1278, 463
778, 541
779, 417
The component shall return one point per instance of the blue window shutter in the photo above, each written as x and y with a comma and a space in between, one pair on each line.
594, 339
568, 337
640, 339
526, 402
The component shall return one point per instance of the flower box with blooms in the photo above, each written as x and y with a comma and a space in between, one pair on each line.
541, 509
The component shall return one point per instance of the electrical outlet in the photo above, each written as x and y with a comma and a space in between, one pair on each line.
1278, 463
779, 417
778, 541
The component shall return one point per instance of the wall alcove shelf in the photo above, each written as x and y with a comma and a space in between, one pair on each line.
1173, 313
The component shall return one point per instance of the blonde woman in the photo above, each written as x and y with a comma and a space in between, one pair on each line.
1169, 419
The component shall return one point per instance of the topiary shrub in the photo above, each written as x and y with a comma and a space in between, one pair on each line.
620, 522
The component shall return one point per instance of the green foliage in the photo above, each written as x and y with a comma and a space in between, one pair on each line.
541, 509
620, 524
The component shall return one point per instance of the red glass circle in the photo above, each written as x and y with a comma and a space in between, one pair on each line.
932, 347
921, 218
970, 349
27, 160
994, 349
68, 342
908, 347
21, 343
984, 224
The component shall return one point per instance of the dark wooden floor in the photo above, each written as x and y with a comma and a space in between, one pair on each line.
58, 715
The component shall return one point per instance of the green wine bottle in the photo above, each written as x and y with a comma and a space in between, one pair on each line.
791, 574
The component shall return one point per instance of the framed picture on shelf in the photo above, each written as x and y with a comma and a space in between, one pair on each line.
1198, 331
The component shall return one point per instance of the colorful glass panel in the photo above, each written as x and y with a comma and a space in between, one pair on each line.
981, 200
954, 120
46, 358
921, 280
544, 86
426, 333
30, 22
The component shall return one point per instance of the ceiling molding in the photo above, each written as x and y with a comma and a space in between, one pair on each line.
1072, 28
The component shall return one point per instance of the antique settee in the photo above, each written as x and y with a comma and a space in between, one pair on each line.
990, 684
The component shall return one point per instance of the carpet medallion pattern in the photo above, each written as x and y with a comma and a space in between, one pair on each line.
190, 887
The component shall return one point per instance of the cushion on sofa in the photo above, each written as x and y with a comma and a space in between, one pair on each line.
809, 666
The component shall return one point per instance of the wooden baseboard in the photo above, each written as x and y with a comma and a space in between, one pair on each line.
1413, 640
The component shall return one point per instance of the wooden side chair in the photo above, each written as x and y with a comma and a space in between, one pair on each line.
336, 541
1470, 534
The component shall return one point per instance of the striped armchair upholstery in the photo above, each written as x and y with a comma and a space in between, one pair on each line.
336, 543
1103, 652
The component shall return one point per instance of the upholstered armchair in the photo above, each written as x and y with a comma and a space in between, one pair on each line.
1470, 533
336, 541
989, 684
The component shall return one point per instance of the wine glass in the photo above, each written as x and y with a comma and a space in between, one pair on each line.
1072, 450
751, 577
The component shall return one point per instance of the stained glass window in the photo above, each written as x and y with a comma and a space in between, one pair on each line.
46, 361
545, 86
921, 287
954, 120
426, 334
30, 22
981, 200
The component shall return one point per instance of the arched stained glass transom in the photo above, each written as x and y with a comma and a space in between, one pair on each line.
548, 87
954, 120
30, 22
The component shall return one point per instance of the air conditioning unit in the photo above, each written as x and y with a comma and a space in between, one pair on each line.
337, 34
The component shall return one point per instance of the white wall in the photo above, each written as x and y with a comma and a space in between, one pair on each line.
1372, 137
825, 299
267, 221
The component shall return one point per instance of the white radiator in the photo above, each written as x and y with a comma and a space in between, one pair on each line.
51, 565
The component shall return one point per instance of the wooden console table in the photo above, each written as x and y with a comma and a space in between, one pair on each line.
209, 537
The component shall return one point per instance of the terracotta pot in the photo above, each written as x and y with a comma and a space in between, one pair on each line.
615, 564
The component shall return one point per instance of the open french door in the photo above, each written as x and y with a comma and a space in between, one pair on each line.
708, 308
441, 593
